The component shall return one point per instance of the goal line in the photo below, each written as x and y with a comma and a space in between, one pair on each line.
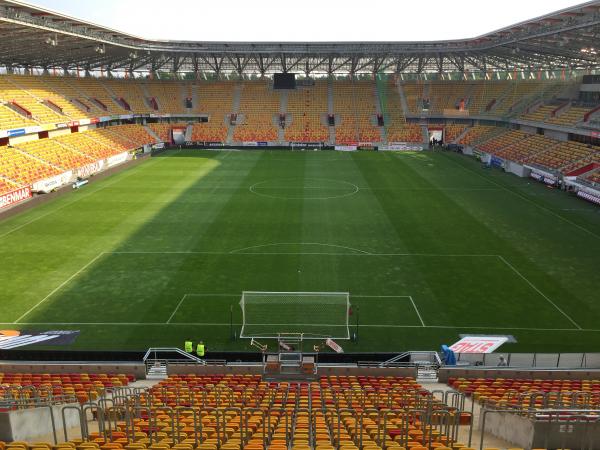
315, 315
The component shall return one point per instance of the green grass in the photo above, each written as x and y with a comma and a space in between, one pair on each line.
162, 251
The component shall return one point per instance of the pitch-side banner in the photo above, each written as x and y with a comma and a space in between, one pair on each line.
90, 169
117, 159
52, 183
10, 339
478, 344
14, 197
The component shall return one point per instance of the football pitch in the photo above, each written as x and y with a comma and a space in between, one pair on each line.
428, 245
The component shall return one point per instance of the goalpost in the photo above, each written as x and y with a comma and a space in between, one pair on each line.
314, 315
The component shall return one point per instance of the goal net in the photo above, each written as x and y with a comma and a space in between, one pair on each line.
315, 315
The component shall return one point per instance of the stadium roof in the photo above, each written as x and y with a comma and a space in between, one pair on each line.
37, 37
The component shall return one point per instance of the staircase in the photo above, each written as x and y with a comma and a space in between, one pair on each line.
157, 371
152, 133
158, 359
237, 97
426, 89
195, 97
283, 102
115, 98
330, 110
425, 133
461, 135
379, 109
188, 133
403, 102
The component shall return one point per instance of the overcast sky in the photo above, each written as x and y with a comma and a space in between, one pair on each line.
305, 20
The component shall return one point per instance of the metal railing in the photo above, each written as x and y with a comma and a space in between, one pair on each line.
538, 360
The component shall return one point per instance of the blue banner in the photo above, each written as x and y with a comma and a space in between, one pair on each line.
16, 132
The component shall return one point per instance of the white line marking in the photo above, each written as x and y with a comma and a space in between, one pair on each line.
354, 187
539, 292
416, 310
527, 200
176, 309
59, 287
162, 324
379, 296
240, 250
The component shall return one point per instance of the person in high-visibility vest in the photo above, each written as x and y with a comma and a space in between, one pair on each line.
188, 346
200, 349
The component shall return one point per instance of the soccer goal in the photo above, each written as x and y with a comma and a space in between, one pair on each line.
314, 315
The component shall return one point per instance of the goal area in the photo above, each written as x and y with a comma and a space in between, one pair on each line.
315, 315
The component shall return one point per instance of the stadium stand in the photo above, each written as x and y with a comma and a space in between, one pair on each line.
451, 132
7, 186
129, 94
80, 386
594, 177
168, 95
20, 167
163, 130
507, 392
355, 105
502, 141
446, 95
216, 101
33, 107
413, 93
51, 151
396, 127
562, 154
259, 107
525, 148
569, 116
307, 106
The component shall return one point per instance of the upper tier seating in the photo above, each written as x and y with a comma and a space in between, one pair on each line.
307, 106
445, 95
354, 102
540, 114
259, 105
168, 95
40, 113
569, 116
46, 89
396, 128
413, 92
97, 93
215, 100
132, 92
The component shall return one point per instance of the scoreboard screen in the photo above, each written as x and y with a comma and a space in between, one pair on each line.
284, 81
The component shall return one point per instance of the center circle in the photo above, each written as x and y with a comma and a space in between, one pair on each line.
304, 188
